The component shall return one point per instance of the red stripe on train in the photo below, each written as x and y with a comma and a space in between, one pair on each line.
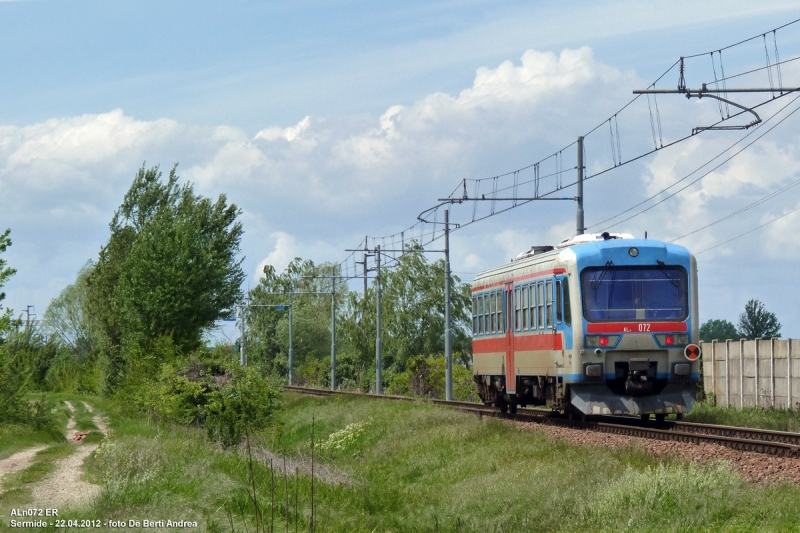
637, 327
522, 343
521, 278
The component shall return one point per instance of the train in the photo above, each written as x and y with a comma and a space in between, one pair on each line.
602, 324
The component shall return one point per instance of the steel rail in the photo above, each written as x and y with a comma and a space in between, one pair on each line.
777, 443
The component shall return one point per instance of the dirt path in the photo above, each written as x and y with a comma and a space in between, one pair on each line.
71, 423
18, 461
64, 488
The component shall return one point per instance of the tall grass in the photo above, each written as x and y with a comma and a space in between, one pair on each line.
750, 417
403, 466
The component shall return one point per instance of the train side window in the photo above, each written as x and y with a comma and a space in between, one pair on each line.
567, 309
524, 307
541, 304
486, 310
474, 315
492, 312
559, 297
517, 315
532, 305
500, 322
549, 310
480, 314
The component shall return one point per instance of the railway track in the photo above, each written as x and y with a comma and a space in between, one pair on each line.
777, 443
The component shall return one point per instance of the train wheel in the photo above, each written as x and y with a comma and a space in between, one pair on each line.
660, 417
501, 404
512, 408
679, 416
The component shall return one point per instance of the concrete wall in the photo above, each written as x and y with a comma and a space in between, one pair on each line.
763, 373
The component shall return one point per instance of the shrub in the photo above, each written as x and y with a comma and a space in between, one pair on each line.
246, 403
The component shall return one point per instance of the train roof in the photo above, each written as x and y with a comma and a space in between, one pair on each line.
577, 252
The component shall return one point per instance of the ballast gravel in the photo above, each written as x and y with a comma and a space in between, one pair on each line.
755, 467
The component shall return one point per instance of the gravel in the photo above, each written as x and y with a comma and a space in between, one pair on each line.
755, 467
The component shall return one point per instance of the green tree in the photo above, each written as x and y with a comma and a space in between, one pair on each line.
67, 319
170, 269
414, 306
268, 325
5, 273
412, 310
717, 330
758, 323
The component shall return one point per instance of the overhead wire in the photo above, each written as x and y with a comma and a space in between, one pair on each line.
758, 202
720, 154
655, 126
750, 231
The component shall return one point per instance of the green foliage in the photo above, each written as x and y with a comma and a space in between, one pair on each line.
268, 327
413, 302
169, 269
243, 405
412, 321
758, 323
5, 273
706, 412
719, 330
425, 377
66, 317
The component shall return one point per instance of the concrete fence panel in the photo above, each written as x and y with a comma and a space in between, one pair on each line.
753, 373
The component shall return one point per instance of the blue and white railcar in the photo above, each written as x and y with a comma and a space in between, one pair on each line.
604, 324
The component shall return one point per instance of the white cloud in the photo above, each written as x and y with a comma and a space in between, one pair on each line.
285, 250
316, 187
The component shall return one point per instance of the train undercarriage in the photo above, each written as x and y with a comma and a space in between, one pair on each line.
623, 395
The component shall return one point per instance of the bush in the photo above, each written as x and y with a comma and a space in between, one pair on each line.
425, 376
245, 404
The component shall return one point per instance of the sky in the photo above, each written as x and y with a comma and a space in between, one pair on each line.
326, 122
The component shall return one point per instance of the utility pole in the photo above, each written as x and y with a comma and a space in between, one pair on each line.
378, 339
448, 333
580, 224
333, 332
242, 355
291, 347
28, 317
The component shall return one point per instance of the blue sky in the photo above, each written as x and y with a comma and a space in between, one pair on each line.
326, 121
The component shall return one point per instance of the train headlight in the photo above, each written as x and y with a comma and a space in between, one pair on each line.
633, 252
672, 340
605, 341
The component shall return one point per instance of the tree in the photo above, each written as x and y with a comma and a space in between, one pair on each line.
412, 309
717, 330
5, 274
758, 323
169, 269
67, 319
268, 325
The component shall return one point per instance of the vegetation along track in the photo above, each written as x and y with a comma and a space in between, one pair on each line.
779, 443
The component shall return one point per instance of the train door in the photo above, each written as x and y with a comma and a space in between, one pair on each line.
511, 382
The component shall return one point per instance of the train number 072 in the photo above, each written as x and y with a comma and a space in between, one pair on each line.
644, 327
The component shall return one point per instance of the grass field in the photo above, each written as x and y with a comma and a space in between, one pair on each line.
403, 466
749, 417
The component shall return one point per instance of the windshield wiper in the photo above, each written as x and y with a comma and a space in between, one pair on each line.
596, 283
672, 280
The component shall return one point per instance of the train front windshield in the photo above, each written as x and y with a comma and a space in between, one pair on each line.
634, 293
